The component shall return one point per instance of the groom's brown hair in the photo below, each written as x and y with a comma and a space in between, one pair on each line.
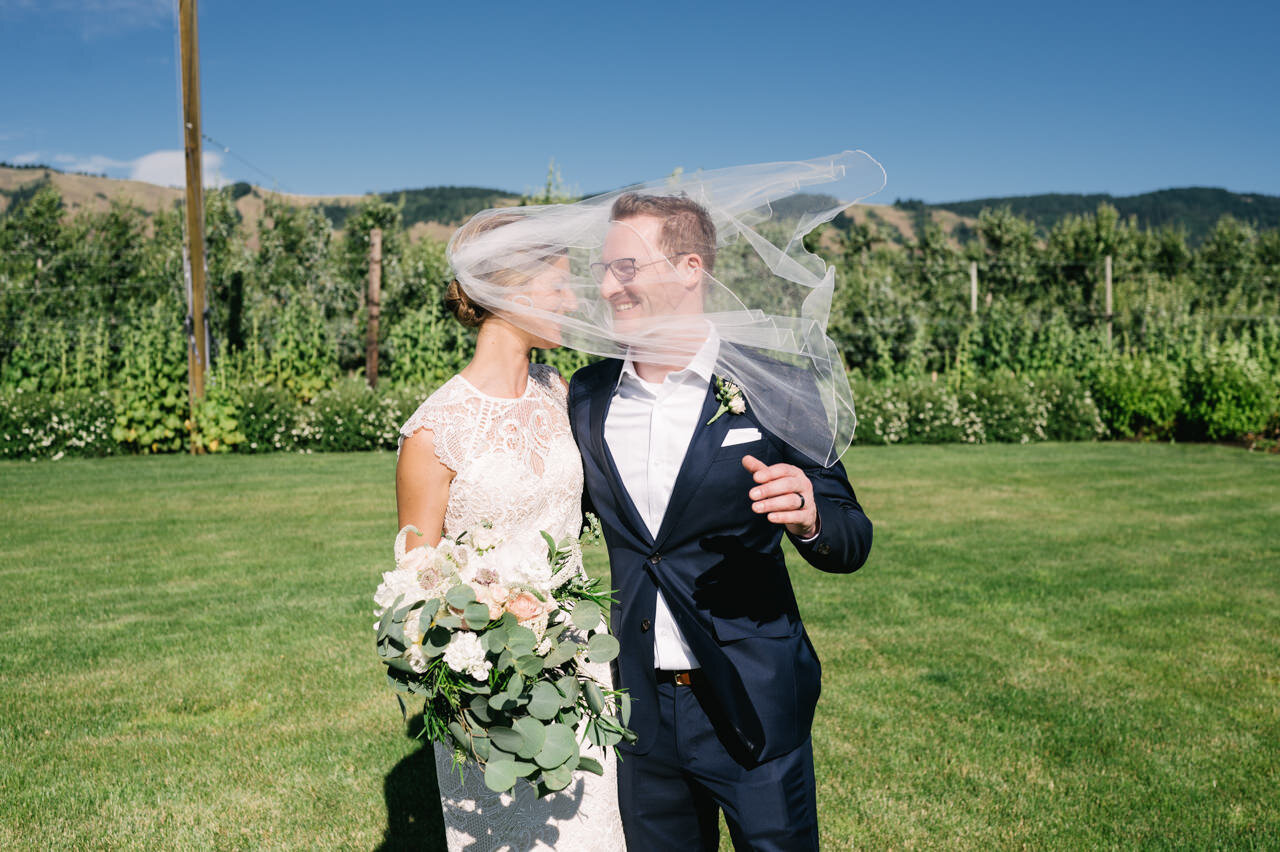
686, 224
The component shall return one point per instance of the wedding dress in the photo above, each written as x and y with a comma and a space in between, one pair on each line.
517, 467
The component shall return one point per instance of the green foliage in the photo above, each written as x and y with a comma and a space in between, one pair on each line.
151, 394
1072, 414
1138, 397
96, 302
41, 424
351, 416
1010, 410
1228, 395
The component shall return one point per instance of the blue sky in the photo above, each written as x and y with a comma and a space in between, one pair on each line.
956, 100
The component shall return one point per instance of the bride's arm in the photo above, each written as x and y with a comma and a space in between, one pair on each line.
422, 488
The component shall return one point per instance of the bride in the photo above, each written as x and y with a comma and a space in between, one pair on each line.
493, 445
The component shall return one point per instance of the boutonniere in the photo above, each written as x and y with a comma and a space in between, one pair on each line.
730, 398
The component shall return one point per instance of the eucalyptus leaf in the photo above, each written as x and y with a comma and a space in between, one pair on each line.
561, 654
503, 702
595, 698
476, 615
590, 764
534, 734
434, 641
602, 648
557, 778
449, 621
494, 639
506, 660
500, 775
586, 615
559, 744
529, 665
521, 641
480, 748
525, 768
459, 735
479, 707
624, 707
507, 739
570, 689
460, 595
544, 701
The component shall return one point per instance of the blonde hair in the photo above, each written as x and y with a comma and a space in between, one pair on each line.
466, 310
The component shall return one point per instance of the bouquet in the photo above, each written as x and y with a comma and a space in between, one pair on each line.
492, 632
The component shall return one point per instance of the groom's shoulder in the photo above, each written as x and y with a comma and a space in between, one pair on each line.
589, 379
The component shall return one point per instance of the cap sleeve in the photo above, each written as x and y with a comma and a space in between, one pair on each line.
434, 415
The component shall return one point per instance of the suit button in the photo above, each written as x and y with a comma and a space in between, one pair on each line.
823, 549
645, 625
655, 558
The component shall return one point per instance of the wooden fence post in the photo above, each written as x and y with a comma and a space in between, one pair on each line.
973, 286
374, 305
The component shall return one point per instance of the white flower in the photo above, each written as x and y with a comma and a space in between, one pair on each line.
737, 405
465, 654
402, 581
485, 538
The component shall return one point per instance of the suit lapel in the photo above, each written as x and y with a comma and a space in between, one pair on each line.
601, 399
702, 448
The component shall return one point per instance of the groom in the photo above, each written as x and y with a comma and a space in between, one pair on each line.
722, 676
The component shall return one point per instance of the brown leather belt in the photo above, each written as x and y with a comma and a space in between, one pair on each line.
688, 677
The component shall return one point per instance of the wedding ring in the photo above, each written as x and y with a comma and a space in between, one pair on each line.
801, 506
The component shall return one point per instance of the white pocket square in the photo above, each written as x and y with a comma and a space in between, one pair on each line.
740, 436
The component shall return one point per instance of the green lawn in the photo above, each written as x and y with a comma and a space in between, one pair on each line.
1053, 646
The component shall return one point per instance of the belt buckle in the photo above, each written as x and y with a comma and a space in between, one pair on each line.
683, 678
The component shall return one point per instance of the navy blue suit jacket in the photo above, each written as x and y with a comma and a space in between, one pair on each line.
720, 568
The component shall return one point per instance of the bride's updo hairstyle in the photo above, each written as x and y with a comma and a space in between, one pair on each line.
464, 310
533, 259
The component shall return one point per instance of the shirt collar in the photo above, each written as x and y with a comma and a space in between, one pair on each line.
702, 365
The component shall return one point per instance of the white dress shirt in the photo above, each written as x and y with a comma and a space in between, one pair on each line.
648, 429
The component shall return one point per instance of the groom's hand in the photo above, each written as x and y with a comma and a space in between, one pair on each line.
785, 495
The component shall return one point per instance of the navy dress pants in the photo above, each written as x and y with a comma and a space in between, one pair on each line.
670, 798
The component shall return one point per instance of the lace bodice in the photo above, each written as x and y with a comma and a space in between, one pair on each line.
515, 460
516, 466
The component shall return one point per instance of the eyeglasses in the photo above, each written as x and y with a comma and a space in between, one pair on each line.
625, 268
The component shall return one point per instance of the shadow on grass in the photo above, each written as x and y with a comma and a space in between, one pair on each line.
414, 819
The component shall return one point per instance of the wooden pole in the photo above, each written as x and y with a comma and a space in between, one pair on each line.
198, 354
1108, 273
973, 286
375, 306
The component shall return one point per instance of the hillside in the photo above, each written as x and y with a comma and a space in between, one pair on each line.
1194, 208
436, 211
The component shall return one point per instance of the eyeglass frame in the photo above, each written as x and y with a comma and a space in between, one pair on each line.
608, 267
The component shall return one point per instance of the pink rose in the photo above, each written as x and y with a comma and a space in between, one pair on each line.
525, 606
493, 596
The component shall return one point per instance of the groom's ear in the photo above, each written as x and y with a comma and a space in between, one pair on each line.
694, 263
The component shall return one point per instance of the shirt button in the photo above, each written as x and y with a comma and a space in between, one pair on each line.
823, 549
645, 625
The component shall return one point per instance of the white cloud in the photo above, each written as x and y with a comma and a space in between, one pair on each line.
169, 168
95, 164
27, 158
